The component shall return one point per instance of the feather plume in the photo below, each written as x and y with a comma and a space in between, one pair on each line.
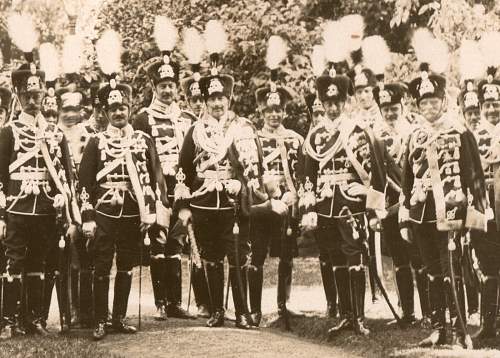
165, 33
490, 50
49, 61
354, 25
22, 32
215, 37
193, 45
470, 61
72, 54
276, 52
109, 50
430, 50
318, 60
376, 54
336, 42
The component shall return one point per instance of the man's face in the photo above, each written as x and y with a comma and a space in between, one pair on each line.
364, 97
273, 116
472, 117
3, 116
431, 108
333, 108
31, 102
217, 105
70, 116
391, 113
491, 111
118, 115
196, 105
166, 92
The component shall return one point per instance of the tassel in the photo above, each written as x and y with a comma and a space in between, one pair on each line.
120, 199
36, 189
28, 188
236, 229
289, 231
103, 155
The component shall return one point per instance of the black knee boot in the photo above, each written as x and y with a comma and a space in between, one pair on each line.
284, 288
215, 280
327, 276
75, 296
404, 280
12, 307
255, 282
438, 314
86, 311
344, 295
47, 296
200, 290
173, 281
489, 303
239, 291
158, 276
423, 295
123, 282
357, 278
101, 302
34, 303
458, 336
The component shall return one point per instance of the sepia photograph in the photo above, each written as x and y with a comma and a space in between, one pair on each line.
255, 178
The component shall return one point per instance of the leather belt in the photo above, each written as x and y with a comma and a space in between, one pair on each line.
44, 175
117, 185
333, 179
215, 174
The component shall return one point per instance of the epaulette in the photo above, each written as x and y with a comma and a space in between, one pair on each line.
138, 133
188, 115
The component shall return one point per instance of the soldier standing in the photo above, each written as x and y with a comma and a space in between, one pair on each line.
167, 124
443, 191
122, 191
35, 180
281, 148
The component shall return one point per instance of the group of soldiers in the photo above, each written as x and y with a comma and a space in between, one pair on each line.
148, 185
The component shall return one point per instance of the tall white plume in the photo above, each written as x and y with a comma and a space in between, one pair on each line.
215, 37
276, 52
470, 61
193, 45
109, 50
490, 48
318, 60
22, 32
72, 54
49, 61
165, 33
430, 50
354, 25
376, 54
336, 42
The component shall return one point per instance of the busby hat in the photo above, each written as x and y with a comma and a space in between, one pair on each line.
389, 94
489, 87
432, 55
472, 67
193, 49
27, 77
313, 104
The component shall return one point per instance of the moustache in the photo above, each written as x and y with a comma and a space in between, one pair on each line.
49, 113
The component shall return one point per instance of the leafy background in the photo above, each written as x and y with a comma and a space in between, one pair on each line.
249, 24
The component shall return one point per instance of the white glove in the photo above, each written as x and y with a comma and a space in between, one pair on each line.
309, 221
88, 229
279, 207
357, 189
405, 234
184, 216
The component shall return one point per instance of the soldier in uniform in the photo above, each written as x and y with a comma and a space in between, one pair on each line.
219, 182
475, 103
344, 180
191, 88
5, 98
122, 192
394, 131
442, 193
270, 232
35, 180
167, 124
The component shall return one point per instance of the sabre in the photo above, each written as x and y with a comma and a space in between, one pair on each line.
146, 242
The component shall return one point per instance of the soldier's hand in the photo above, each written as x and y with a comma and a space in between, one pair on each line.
357, 189
309, 222
184, 216
279, 207
72, 232
88, 229
3, 229
375, 224
144, 227
405, 234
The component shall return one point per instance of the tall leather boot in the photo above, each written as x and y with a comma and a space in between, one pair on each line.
86, 312
75, 296
101, 303
345, 307
200, 290
173, 281
158, 276
47, 296
12, 307
438, 314
404, 280
489, 303
255, 283
61, 282
422, 281
215, 279
239, 291
284, 288
34, 304
123, 282
327, 276
357, 278
458, 336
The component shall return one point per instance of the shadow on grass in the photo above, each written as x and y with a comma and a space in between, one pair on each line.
385, 340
